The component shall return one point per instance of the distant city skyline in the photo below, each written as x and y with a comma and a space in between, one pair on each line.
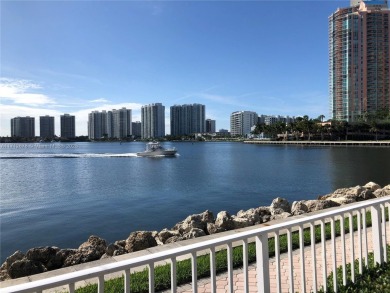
75, 57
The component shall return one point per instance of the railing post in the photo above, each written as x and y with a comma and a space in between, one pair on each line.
262, 263
377, 234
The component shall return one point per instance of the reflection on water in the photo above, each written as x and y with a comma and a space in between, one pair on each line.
355, 165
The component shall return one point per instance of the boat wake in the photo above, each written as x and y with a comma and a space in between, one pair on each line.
61, 156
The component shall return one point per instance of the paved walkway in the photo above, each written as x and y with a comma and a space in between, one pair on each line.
238, 276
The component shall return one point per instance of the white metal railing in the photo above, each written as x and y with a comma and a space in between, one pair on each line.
261, 235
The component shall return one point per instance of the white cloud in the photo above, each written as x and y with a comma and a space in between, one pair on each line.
22, 92
101, 100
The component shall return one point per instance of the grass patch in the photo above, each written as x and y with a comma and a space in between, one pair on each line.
374, 277
139, 280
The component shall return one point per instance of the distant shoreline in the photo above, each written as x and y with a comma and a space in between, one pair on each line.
383, 143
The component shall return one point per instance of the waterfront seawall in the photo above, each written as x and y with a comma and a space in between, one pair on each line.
383, 143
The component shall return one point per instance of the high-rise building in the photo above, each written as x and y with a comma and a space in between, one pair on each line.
152, 121
136, 128
121, 121
242, 121
188, 119
68, 126
359, 59
109, 124
23, 127
97, 125
46, 126
210, 126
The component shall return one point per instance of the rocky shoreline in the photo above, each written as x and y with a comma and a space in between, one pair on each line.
41, 259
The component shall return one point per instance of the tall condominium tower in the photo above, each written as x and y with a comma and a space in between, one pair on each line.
210, 126
136, 128
23, 127
359, 59
68, 126
153, 121
242, 121
121, 121
188, 119
110, 124
46, 126
97, 125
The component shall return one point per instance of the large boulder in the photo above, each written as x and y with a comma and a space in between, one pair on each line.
78, 256
165, 234
280, 205
198, 221
140, 240
385, 191
93, 249
96, 243
4, 269
317, 205
47, 255
114, 249
25, 267
299, 208
252, 216
352, 194
174, 239
372, 186
194, 233
42, 254
212, 229
241, 222
224, 221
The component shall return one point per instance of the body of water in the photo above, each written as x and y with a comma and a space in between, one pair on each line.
59, 194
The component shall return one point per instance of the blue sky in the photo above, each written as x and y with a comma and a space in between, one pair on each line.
73, 57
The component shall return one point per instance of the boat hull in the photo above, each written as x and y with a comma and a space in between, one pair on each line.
158, 153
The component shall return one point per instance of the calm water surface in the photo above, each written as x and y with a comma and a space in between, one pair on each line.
57, 194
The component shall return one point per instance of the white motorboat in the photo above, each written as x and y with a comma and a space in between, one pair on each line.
154, 149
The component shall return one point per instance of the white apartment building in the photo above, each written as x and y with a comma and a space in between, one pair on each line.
241, 122
152, 121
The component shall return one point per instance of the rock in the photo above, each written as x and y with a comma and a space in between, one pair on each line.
212, 228
280, 205
381, 192
298, 208
241, 222
343, 200
224, 221
372, 186
120, 243
174, 239
96, 243
198, 221
280, 216
18, 255
252, 216
42, 254
351, 194
194, 233
93, 249
140, 240
114, 249
4, 275
49, 256
25, 267
165, 234
4, 269
317, 205
78, 256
